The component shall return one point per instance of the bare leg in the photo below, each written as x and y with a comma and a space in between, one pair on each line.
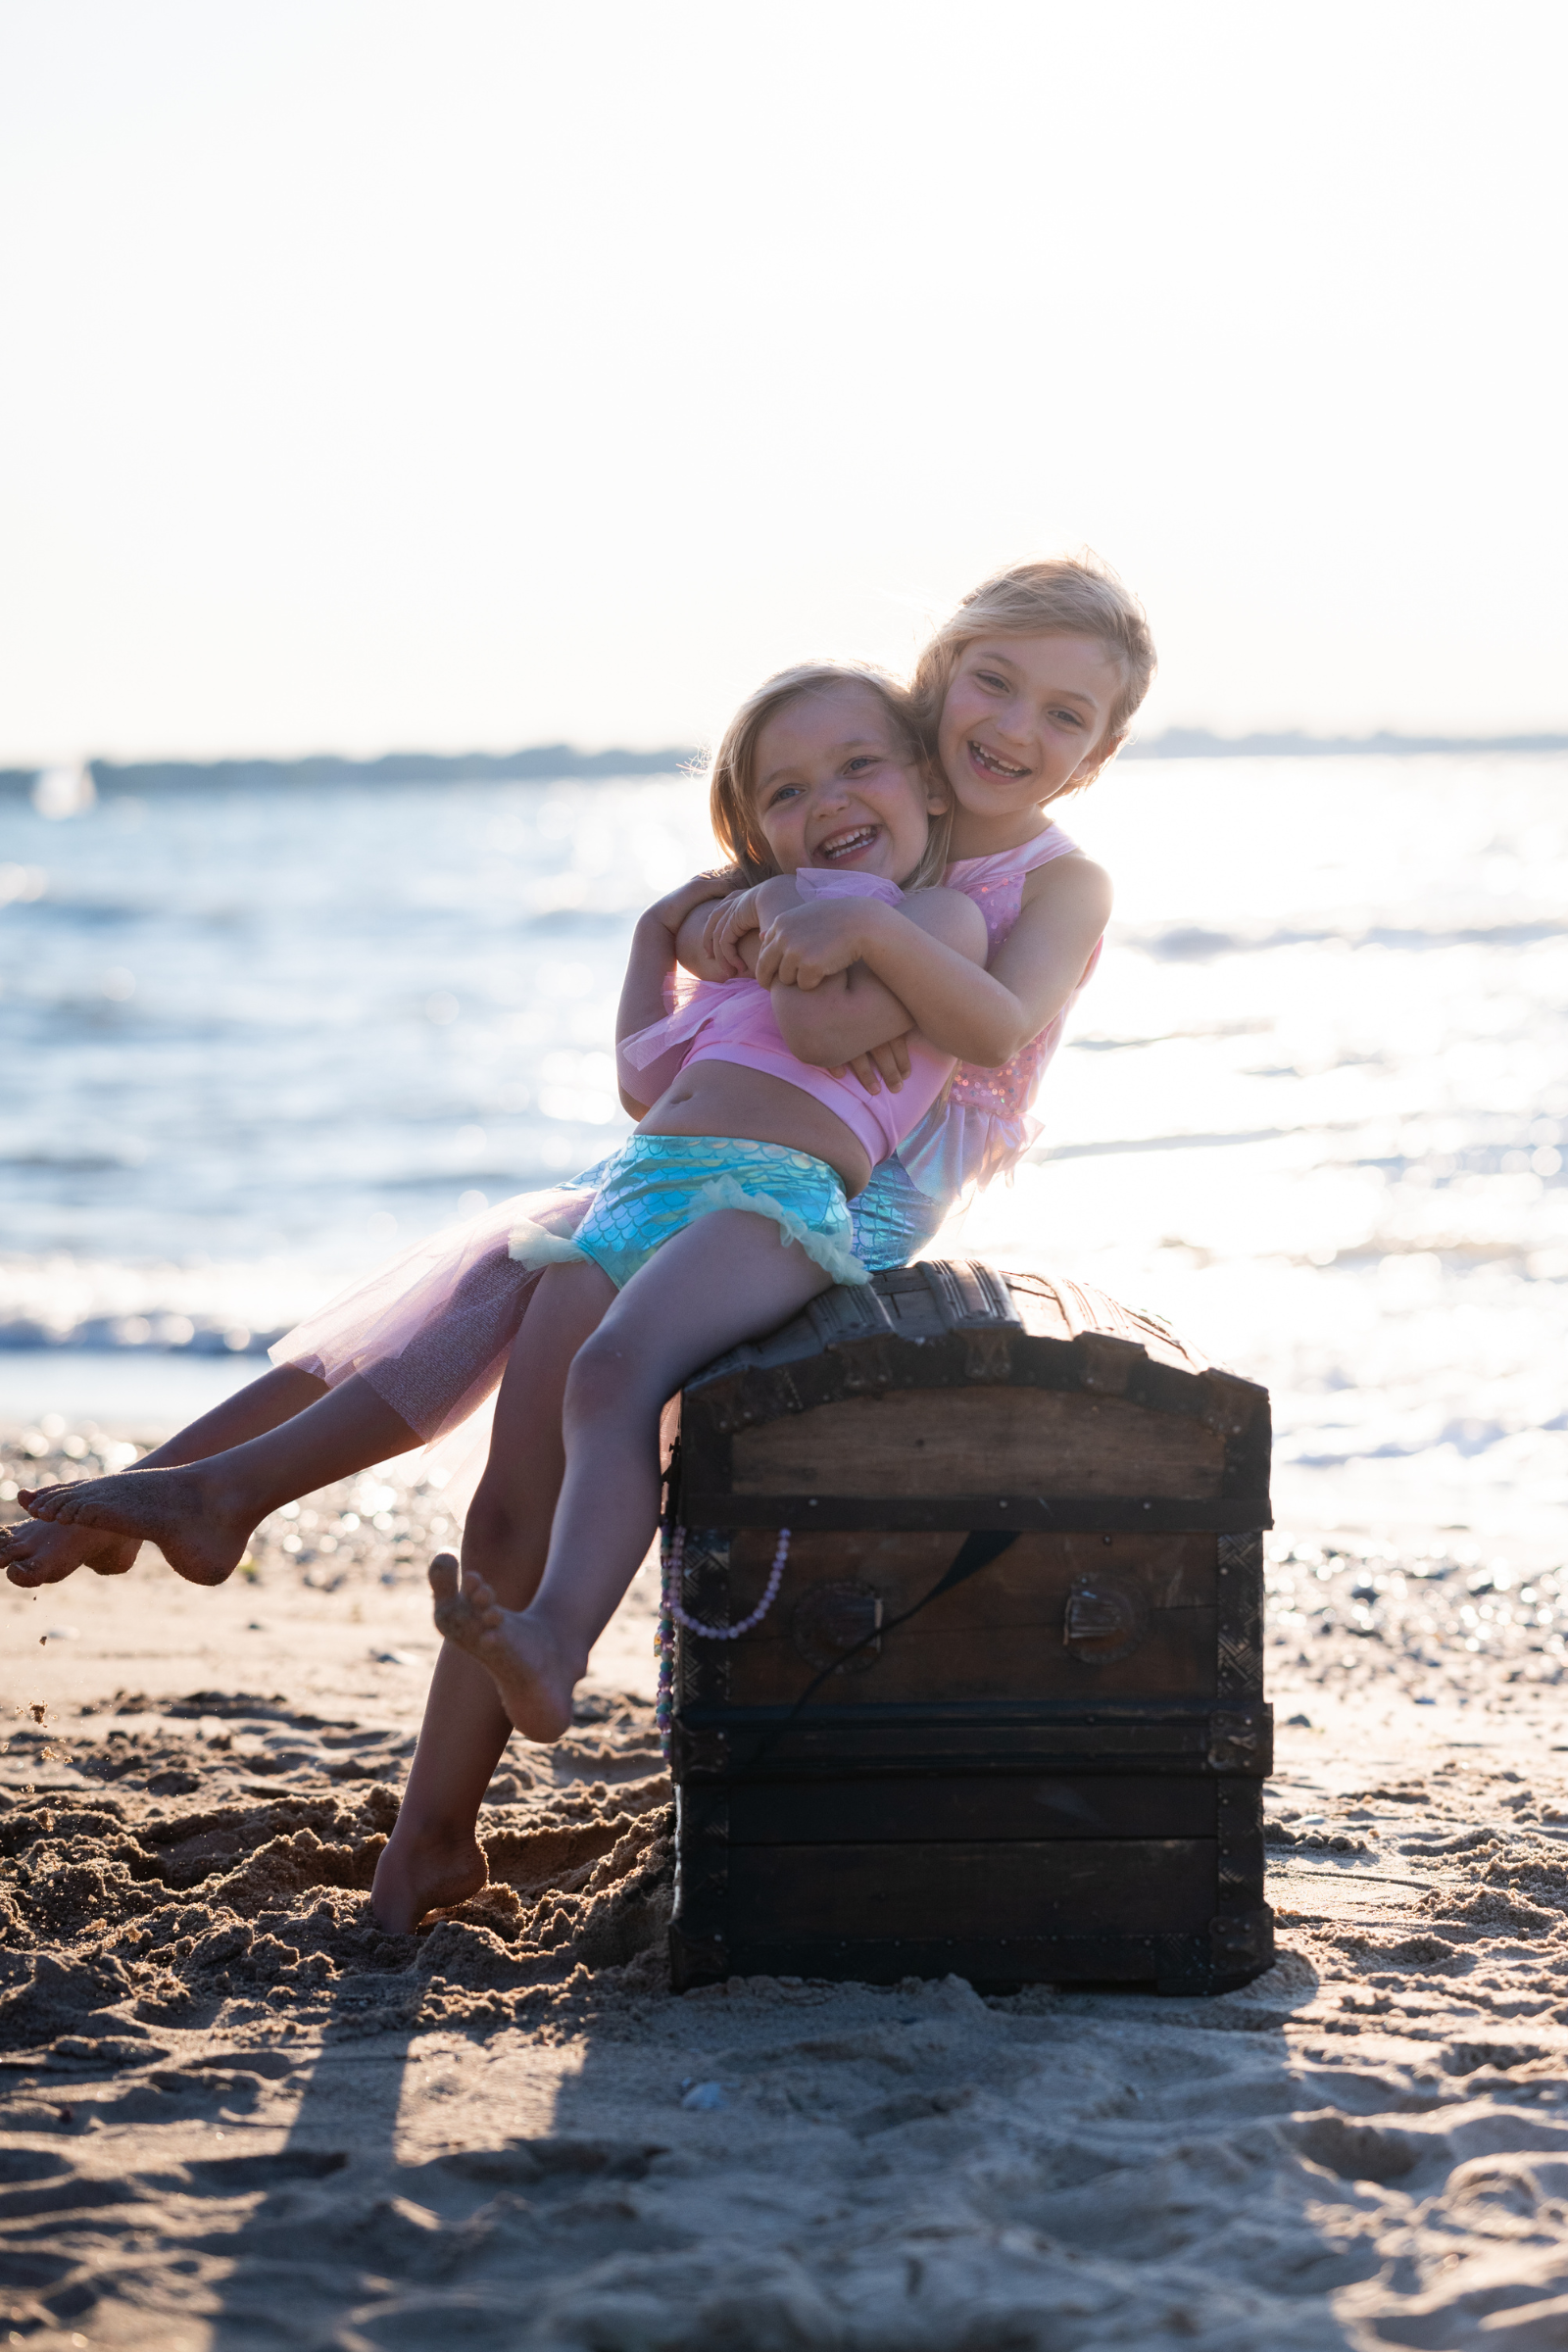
262, 1404
39, 1552
723, 1279
433, 1857
201, 1516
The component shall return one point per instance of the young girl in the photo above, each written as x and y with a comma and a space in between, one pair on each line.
746, 1145
410, 1354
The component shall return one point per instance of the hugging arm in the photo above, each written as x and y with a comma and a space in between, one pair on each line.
852, 1010
656, 945
1066, 907
719, 930
981, 1016
720, 942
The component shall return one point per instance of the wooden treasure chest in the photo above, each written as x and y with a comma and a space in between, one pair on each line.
1004, 1715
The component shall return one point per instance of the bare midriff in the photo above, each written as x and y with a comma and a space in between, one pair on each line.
725, 1099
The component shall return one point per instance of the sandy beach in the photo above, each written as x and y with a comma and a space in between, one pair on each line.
449, 454
237, 2114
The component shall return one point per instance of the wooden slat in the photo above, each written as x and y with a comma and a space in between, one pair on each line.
1131, 1887
839, 1315
997, 1963
1174, 1572
849, 1743
1170, 1964
972, 1807
1064, 1310
999, 1636
714, 1506
1008, 1440
927, 1660
931, 1661
969, 1296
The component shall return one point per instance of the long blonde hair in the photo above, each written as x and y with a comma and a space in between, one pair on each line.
732, 776
1068, 596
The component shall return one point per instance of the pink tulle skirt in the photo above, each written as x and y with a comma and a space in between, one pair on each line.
431, 1329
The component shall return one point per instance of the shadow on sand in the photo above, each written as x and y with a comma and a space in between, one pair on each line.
872, 2169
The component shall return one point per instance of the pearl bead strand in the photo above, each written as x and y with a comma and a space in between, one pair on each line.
672, 1614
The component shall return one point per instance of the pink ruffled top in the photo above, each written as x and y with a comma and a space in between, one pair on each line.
984, 1124
732, 1021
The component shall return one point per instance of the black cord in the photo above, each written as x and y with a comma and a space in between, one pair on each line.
977, 1551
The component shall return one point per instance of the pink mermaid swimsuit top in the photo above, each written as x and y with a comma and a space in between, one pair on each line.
732, 1021
985, 1126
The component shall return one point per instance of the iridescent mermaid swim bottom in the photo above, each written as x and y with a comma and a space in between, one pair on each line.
893, 1218
656, 1185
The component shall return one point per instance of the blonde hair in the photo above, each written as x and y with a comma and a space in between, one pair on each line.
1068, 596
732, 775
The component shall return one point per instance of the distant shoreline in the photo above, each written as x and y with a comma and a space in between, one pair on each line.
559, 763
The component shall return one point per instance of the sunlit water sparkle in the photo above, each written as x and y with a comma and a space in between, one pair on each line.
1314, 1107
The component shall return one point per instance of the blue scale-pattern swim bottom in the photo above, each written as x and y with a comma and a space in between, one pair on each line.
893, 1219
656, 1185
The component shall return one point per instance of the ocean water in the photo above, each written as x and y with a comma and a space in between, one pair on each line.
1314, 1106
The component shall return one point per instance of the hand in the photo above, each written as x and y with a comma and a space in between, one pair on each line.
673, 909
808, 943
731, 919
887, 1064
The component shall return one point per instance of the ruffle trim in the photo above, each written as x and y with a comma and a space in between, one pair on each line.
834, 1258
535, 1246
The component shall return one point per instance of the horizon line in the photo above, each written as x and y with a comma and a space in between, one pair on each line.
563, 762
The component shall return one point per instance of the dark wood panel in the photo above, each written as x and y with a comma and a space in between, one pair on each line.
935, 1340
999, 1636
1132, 1886
846, 1743
705, 1500
925, 1661
1172, 1964
1010, 1441
1174, 1572
1168, 1964
974, 1807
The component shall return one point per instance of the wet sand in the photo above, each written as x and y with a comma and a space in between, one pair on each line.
233, 2112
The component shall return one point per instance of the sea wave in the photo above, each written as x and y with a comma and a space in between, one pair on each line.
164, 1334
1315, 1106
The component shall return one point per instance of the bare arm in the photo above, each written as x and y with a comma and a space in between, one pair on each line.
699, 946
981, 1017
649, 967
726, 924
926, 955
848, 1013
1066, 907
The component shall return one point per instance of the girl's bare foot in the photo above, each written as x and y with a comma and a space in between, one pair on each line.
35, 1553
200, 1529
522, 1656
423, 1871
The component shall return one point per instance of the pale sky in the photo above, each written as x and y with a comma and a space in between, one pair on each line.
456, 374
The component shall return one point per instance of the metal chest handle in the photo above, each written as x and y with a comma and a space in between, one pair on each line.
977, 1551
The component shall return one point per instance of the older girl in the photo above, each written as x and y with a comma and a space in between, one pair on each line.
1029, 689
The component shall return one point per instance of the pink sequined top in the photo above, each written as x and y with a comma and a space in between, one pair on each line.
732, 1021
983, 1125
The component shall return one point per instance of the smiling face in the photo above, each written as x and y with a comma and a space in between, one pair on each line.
836, 786
1023, 718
